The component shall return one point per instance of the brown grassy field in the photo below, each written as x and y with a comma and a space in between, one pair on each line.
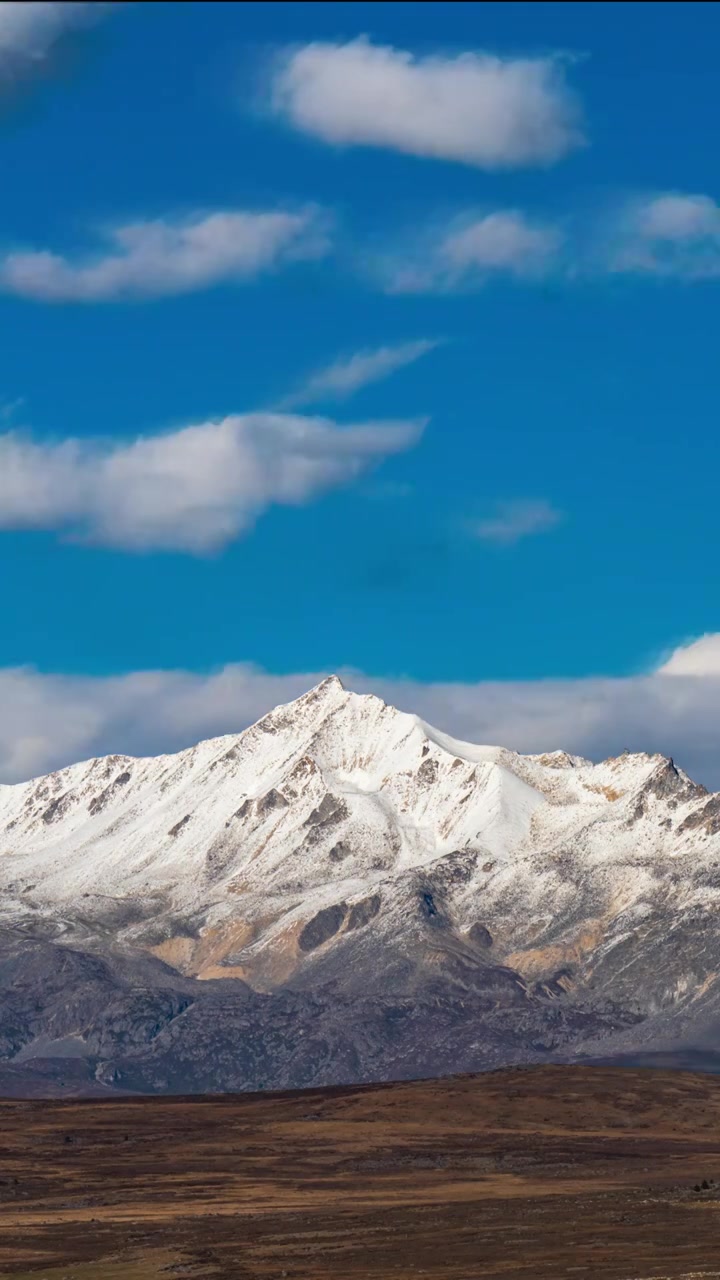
547, 1172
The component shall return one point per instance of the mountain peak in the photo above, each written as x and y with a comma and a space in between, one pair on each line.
330, 682
328, 690
341, 845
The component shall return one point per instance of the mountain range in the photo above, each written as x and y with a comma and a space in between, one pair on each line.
341, 893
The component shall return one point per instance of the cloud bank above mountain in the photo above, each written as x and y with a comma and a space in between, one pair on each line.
52, 720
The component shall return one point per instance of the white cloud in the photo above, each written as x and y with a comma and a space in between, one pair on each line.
29, 32
50, 720
162, 257
469, 253
474, 108
349, 374
668, 235
515, 520
500, 241
190, 490
699, 657
677, 217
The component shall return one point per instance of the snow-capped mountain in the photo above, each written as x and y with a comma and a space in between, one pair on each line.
340, 849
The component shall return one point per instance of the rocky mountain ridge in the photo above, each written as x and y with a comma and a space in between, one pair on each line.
406, 902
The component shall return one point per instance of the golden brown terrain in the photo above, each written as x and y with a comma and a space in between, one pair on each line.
546, 1172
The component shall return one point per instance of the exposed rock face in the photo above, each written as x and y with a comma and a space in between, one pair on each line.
343, 893
322, 927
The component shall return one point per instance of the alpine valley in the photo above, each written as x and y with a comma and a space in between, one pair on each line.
343, 894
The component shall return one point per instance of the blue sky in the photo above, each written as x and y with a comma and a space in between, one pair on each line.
532, 496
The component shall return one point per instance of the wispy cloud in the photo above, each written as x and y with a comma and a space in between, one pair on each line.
192, 490
473, 108
30, 31
8, 408
158, 258
670, 234
52, 720
350, 373
471, 252
515, 520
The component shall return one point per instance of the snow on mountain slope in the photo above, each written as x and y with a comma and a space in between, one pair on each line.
338, 830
